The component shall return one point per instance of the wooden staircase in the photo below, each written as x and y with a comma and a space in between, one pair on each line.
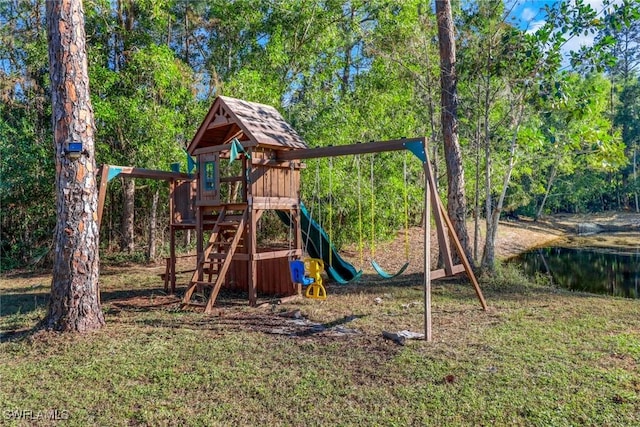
225, 239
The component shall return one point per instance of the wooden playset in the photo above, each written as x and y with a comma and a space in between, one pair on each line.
248, 162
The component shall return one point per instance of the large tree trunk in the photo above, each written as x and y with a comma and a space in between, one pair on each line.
127, 238
457, 206
74, 304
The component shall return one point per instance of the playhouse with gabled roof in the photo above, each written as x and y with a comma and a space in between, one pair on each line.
239, 178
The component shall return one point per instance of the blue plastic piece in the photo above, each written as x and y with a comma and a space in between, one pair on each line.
113, 172
297, 273
191, 164
417, 148
236, 149
74, 147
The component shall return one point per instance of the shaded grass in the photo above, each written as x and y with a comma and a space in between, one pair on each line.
539, 356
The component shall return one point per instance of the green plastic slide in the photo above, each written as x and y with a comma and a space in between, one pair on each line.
319, 246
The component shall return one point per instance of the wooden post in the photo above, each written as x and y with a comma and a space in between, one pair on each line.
172, 236
463, 257
251, 238
427, 250
252, 244
199, 243
104, 176
443, 242
298, 235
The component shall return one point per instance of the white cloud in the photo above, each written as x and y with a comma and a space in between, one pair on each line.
534, 26
528, 14
574, 43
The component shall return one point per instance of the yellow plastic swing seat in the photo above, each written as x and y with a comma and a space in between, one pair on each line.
315, 290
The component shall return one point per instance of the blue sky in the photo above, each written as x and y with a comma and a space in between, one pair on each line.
529, 15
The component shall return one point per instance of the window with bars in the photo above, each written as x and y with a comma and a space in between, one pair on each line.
210, 176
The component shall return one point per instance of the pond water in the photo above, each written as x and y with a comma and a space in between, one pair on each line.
603, 264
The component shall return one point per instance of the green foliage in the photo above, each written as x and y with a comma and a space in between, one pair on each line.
340, 72
27, 199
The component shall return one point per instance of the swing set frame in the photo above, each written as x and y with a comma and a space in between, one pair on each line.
432, 203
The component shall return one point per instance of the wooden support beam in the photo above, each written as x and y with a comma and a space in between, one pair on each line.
285, 253
171, 263
232, 134
346, 150
102, 193
440, 273
280, 203
232, 179
223, 147
427, 249
273, 163
297, 226
251, 242
131, 172
443, 242
463, 256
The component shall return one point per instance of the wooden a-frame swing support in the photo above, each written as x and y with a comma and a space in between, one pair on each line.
109, 172
432, 203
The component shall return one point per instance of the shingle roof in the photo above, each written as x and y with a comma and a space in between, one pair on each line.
248, 121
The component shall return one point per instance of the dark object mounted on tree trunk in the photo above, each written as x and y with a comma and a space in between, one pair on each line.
74, 150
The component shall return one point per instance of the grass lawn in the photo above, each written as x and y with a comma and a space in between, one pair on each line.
539, 356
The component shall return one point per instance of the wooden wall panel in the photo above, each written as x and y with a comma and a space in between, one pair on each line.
273, 277
184, 199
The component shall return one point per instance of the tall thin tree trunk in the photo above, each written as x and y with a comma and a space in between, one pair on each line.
186, 33
127, 238
476, 196
74, 304
346, 69
550, 181
493, 220
488, 252
635, 176
457, 206
487, 152
153, 226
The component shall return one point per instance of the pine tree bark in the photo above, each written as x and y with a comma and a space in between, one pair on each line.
74, 304
457, 206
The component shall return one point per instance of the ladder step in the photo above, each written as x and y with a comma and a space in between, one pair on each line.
233, 217
223, 224
228, 224
215, 256
225, 244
